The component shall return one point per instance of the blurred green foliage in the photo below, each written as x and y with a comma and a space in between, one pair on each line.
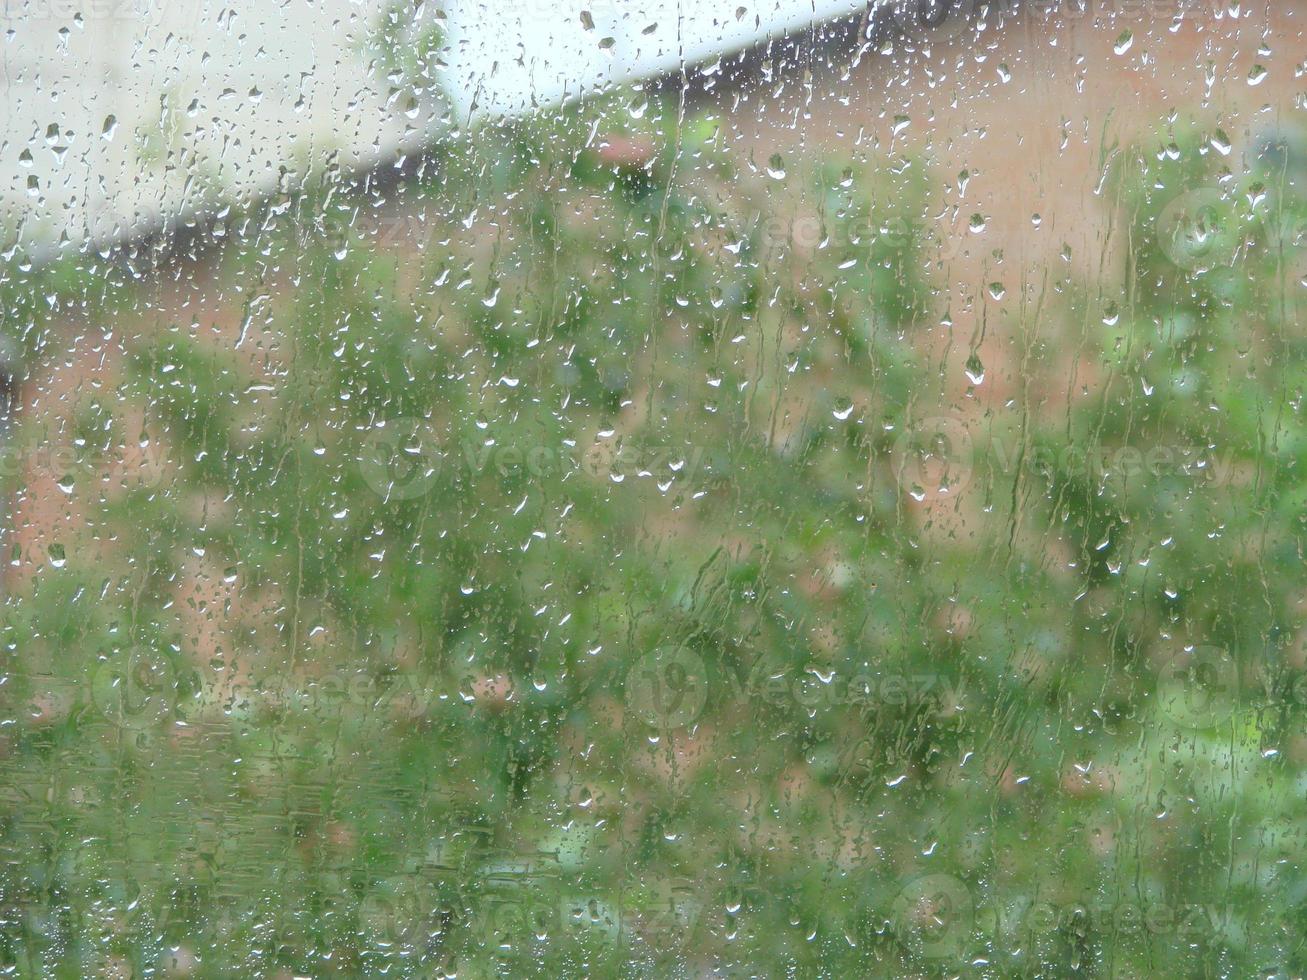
541, 576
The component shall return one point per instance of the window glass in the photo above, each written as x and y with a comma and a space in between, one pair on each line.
653, 489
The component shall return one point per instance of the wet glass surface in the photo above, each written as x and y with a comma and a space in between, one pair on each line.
669, 502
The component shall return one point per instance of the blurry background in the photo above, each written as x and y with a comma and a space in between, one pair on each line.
653, 488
